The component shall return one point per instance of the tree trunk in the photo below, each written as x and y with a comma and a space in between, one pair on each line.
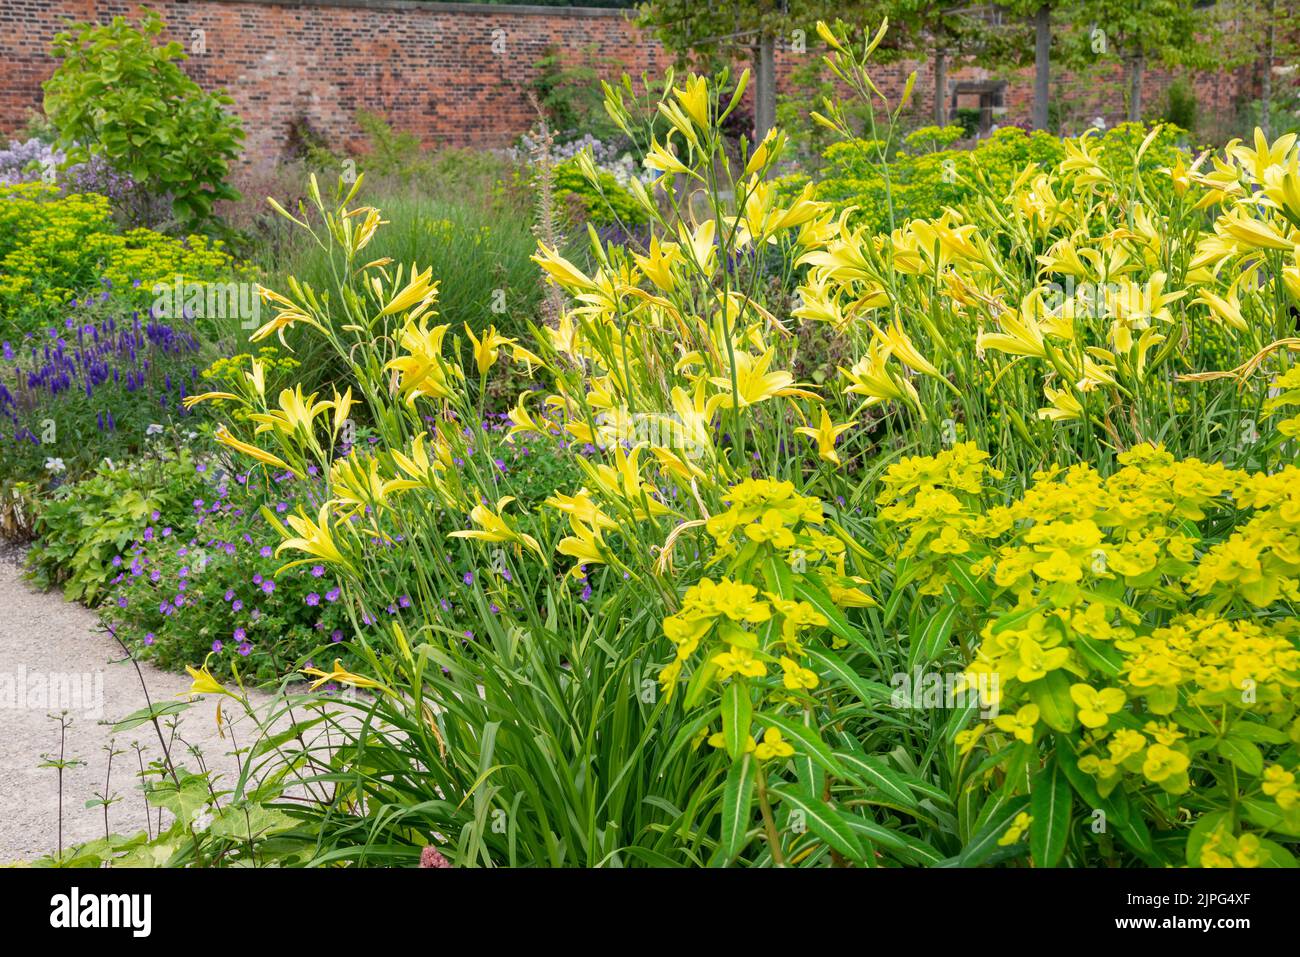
1042, 65
1266, 82
1136, 66
940, 88
764, 86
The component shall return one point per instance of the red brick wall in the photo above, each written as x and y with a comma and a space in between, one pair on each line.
431, 68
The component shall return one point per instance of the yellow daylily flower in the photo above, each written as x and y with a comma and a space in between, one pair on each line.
493, 527
1224, 309
423, 371
342, 676
586, 546
561, 270
418, 293
204, 683
825, 435
488, 348
191, 401
314, 538
694, 98
905, 350
252, 451
582, 507
418, 465
295, 417
289, 313
356, 483
754, 383
1256, 233
871, 377
256, 375
521, 420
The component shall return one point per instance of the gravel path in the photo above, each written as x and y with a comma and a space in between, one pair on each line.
52, 649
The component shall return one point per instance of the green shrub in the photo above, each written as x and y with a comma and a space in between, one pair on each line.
85, 525
117, 94
605, 203
55, 249
1180, 104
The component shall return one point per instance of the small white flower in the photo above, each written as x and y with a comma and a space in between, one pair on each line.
54, 465
153, 429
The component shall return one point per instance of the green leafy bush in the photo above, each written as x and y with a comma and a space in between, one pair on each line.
118, 94
56, 250
217, 592
83, 526
606, 202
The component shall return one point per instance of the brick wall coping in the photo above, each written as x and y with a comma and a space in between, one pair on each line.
495, 9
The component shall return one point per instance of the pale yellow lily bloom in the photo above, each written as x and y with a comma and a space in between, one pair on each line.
418, 292
252, 451
356, 483
1255, 233
694, 98
623, 481
296, 416
190, 401
1265, 155
565, 273
825, 435
256, 375
1022, 332
204, 683
314, 538
905, 350
658, 265
528, 358
493, 527
521, 420
417, 465
488, 348
423, 371
870, 377
586, 546
582, 507
289, 314
755, 384
342, 676
1064, 408
1281, 187
1225, 309
661, 158
342, 408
